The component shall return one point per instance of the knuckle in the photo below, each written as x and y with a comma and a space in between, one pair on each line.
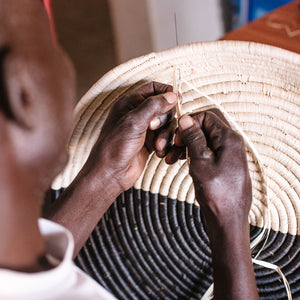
198, 117
237, 138
215, 111
206, 154
154, 103
216, 130
192, 136
233, 139
130, 122
216, 141
159, 87
217, 114
151, 107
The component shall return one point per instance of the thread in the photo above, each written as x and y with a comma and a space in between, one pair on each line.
278, 270
49, 10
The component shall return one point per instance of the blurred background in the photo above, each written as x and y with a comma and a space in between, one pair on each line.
100, 34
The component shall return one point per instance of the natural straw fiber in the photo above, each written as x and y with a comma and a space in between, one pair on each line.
152, 242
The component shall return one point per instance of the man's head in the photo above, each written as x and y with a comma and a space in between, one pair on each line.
36, 92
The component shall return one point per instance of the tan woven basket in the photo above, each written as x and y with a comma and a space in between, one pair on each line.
258, 85
152, 242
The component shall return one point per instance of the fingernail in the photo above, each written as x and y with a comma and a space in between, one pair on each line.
154, 123
185, 122
161, 144
170, 97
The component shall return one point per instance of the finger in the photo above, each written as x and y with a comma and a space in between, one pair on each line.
175, 153
178, 140
145, 91
161, 143
162, 120
183, 154
164, 138
132, 99
153, 88
215, 130
217, 112
149, 140
152, 107
194, 138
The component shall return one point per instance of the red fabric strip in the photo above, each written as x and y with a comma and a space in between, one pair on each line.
48, 7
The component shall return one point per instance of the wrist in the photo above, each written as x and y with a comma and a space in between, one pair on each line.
225, 217
220, 227
99, 183
231, 255
239, 234
80, 207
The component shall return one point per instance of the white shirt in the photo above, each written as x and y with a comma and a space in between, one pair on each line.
65, 281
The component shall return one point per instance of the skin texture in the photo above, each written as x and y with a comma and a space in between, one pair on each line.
218, 166
118, 158
36, 101
37, 94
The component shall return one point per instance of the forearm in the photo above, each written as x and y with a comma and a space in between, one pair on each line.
233, 269
83, 203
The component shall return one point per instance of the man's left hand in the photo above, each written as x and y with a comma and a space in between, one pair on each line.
138, 123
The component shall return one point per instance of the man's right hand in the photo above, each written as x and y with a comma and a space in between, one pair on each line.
218, 166
139, 123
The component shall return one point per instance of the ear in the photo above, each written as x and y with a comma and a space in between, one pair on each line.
36, 89
40, 93
14, 103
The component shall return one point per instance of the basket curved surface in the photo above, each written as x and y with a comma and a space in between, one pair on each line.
152, 242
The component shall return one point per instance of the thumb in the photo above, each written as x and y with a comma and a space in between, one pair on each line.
194, 138
151, 108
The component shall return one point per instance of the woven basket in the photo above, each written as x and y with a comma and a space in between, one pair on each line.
152, 243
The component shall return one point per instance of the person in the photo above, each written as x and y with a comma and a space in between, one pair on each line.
36, 98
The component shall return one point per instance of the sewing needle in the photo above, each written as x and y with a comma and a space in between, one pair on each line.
176, 89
